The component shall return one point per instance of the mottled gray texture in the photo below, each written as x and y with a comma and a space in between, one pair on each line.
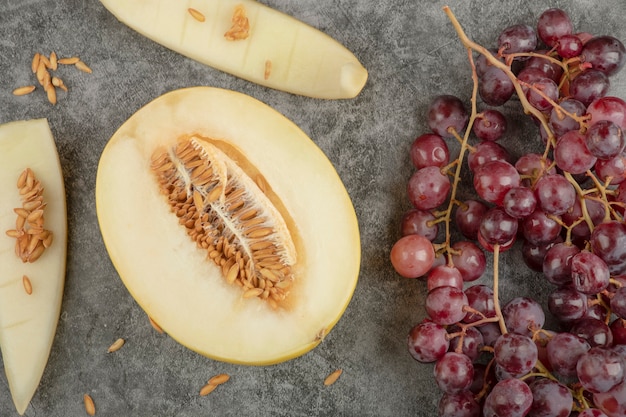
411, 53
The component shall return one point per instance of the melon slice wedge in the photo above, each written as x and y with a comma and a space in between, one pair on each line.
279, 51
28, 322
173, 279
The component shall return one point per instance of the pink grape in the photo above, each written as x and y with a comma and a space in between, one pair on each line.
428, 341
412, 256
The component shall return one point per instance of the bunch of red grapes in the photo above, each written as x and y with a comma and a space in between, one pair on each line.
565, 205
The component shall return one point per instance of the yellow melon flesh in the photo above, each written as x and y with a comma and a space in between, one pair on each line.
280, 52
170, 277
28, 322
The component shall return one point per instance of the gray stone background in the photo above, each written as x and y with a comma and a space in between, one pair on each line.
412, 54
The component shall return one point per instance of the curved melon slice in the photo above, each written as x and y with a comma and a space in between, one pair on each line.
28, 322
155, 161
276, 50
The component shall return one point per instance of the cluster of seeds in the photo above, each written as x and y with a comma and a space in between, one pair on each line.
227, 214
31, 236
41, 65
241, 25
240, 28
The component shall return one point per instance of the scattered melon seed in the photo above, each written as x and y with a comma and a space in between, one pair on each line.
22, 91
116, 345
35, 62
90, 407
83, 67
333, 377
219, 379
69, 61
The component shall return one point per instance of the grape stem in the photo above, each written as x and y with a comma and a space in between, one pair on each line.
471, 45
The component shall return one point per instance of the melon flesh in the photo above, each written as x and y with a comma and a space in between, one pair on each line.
302, 59
170, 277
28, 322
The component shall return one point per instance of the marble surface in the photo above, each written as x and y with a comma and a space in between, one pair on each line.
412, 54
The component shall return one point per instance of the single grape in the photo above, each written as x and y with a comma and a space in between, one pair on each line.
523, 315
515, 353
447, 112
491, 332
569, 46
494, 179
519, 202
497, 227
604, 53
588, 86
600, 369
461, 404
618, 330
590, 274
550, 399
553, 24
539, 229
542, 94
490, 125
564, 350
594, 331
555, 194
533, 254
419, 222
428, 188
444, 305
469, 259
567, 304
412, 256
557, 263
480, 299
495, 87
454, 373
517, 38
471, 342
429, 149
571, 153
560, 122
428, 342
604, 139
468, 217
614, 168
618, 302
608, 241
533, 165
510, 397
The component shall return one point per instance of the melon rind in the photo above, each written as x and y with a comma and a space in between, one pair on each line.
171, 279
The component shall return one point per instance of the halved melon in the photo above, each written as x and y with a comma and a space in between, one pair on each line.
228, 226
250, 40
28, 321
